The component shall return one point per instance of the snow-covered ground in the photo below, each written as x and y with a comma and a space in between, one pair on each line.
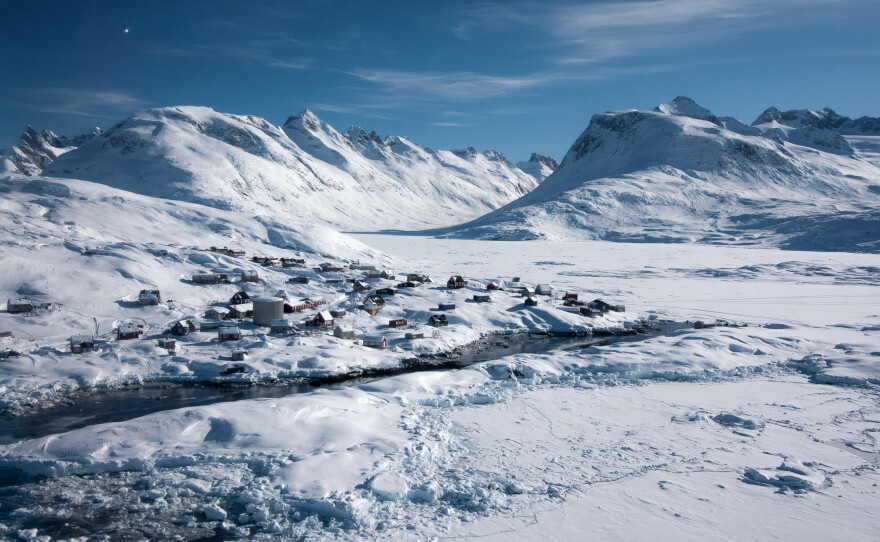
740, 433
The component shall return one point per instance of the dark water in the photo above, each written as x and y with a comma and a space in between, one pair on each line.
129, 403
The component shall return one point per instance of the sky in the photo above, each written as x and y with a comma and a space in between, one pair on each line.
519, 77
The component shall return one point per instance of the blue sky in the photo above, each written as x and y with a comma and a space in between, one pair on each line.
513, 76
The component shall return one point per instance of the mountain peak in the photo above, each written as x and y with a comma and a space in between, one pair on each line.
683, 106
306, 119
544, 160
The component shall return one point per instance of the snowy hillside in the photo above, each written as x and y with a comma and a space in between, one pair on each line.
307, 169
681, 174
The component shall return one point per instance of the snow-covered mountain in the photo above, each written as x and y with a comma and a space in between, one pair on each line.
538, 166
680, 173
37, 150
356, 180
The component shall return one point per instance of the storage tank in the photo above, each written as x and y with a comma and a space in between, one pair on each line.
267, 309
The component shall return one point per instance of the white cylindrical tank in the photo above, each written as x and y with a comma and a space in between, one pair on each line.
267, 309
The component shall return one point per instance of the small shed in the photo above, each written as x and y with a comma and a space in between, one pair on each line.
586, 311
413, 335
446, 306
456, 282
299, 279
235, 253
168, 344
543, 289
216, 313
229, 333
183, 327
149, 297
375, 341
282, 326
338, 313
600, 306
81, 343
129, 330
387, 291
493, 286
239, 355
526, 291
343, 333
530, 302
569, 296
409, 284
272, 262
240, 298
438, 320
482, 298
618, 308
322, 319
399, 322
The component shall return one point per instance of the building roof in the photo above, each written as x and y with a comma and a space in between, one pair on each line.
373, 338
325, 315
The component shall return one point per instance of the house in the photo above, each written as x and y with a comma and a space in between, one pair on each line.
250, 276
618, 308
573, 303
493, 286
446, 306
271, 262
514, 279
299, 280
526, 291
530, 302
334, 280
456, 282
362, 267
210, 326
438, 320
149, 297
412, 336
235, 253
373, 305
387, 291
5, 334
19, 306
330, 268
229, 333
338, 313
360, 286
343, 333
240, 298
482, 298
417, 277
292, 262
182, 327
239, 312
168, 344
303, 304
281, 326
129, 330
378, 342
399, 322
586, 311
81, 343
543, 289
600, 306
378, 274
569, 297
206, 278
239, 355
409, 284
322, 319
216, 313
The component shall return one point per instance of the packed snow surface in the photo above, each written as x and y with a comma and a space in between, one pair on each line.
684, 433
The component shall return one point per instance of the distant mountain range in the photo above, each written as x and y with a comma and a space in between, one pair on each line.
796, 179
305, 168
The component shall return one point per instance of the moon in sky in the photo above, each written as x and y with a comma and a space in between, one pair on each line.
125, 30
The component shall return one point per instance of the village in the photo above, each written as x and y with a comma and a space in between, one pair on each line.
292, 297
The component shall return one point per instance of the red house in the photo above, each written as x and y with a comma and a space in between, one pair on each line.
128, 331
456, 282
570, 297
229, 334
400, 322
493, 286
323, 318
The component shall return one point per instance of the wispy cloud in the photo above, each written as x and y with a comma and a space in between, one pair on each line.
101, 104
451, 124
454, 85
